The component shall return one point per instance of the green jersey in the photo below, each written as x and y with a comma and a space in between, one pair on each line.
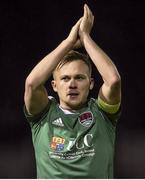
74, 145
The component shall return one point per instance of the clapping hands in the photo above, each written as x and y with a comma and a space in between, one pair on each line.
81, 28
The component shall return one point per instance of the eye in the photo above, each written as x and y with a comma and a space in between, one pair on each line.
80, 77
65, 78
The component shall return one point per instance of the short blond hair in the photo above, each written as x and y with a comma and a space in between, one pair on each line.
74, 56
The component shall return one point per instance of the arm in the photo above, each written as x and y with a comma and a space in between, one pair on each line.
36, 97
110, 92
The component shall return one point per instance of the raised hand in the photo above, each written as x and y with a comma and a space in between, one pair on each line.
82, 27
73, 35
86, 22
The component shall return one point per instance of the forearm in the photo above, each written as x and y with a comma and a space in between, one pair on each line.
103, 63
43, 70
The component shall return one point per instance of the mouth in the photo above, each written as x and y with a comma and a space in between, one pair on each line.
73, 94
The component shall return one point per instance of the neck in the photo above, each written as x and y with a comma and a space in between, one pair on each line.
72, 108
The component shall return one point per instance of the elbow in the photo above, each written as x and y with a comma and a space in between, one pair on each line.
115, 81
29, 83
32, 83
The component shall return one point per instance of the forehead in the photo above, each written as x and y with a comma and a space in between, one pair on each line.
73, 67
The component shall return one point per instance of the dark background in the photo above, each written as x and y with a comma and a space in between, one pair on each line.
31, 29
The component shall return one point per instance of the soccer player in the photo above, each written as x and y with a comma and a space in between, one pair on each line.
74, 138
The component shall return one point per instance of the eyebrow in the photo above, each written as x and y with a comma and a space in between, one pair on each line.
77, 75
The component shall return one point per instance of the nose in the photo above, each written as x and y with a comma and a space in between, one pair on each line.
72, 84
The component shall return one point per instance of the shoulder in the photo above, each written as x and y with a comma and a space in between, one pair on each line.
35, 118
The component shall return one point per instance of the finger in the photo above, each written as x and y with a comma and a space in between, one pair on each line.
78, 22
89, 12
84, 19
87, 9
75, 28
85, 12
90, 15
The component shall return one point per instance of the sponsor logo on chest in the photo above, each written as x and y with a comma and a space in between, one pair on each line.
74, 147
57, 144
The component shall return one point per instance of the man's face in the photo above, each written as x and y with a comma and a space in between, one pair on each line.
72, 82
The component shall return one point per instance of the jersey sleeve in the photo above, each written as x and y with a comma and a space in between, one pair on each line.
33, 119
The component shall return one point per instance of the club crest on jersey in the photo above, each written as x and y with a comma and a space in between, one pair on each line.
86, 119
57, 143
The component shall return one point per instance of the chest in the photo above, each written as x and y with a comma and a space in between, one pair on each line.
79, 135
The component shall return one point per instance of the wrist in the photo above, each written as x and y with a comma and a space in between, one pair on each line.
70, 43
84, 36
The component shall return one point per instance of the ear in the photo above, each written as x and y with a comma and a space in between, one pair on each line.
91, 83
53, 83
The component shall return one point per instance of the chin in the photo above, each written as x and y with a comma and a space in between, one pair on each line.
75, 105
